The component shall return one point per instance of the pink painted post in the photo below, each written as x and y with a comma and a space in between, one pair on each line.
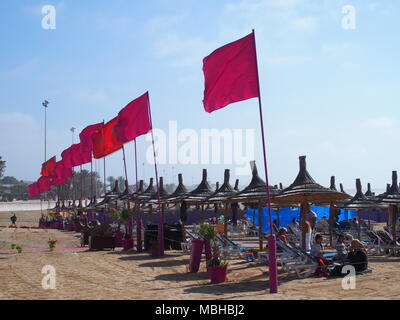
273, 273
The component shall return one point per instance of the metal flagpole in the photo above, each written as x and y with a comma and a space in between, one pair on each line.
130, 225
138, 216
161, 222
273, 274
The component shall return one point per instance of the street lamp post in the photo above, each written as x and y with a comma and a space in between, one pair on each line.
45, 104
73, 131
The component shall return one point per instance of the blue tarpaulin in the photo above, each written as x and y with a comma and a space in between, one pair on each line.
287, 214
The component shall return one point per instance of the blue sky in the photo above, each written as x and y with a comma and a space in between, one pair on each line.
328, 93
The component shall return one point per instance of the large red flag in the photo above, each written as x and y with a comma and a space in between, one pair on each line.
105, 140
230, 74
33, 190
133, 120
43, 185
66, 158
77, 157
86, 136
48, 168
61, 174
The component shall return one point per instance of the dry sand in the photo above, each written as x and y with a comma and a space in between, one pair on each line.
127, 275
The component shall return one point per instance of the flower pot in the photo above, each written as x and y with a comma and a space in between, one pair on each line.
155, 252
19, 250
195, 255
218, 274
119, 239
52, 248
128, 244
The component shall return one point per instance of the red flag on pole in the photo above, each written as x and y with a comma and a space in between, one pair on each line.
105, 140
48, 168
66, 158
43, 184
133, 120
230, 74
33, 190
86, 136
77, 157
61, 174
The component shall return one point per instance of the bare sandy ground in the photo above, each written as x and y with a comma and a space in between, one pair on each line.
127, 275
24, 218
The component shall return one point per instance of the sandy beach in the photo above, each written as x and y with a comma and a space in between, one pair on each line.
128, 275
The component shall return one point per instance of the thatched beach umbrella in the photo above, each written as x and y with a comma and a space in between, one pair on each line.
255, 194
360, 203
392, 198
221, 195
198, 195
304, 191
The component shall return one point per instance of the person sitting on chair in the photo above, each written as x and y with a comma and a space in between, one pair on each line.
357, 258
341, 248
282, 235
317, 250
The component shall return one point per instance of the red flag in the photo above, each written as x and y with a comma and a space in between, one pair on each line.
86, 136
33, 190
133, 120
230, 74
48, 168
43, 185
66, 158
77, 157
105, 141
61, 174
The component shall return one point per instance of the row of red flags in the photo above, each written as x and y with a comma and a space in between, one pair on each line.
231, 75
97, 141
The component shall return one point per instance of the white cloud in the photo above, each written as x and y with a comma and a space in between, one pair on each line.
289, 60
87, 95
383, 122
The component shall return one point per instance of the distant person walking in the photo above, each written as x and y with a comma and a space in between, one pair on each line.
13, 219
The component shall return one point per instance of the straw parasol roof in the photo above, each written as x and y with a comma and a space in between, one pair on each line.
360, 201
256, 190
224, 192
392, 195
305, 189
163, 193
180, 192
201, 193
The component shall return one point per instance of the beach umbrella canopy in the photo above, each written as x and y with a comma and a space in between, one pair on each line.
201, 193
224, 192
163, 193
360, 201
236, 187
392, 194
256, 189
304, 189
180, 192
369, 194
139, 191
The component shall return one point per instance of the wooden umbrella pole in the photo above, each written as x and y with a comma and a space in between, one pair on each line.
359, 217
202, 214
303, 212
226, 218
260, 224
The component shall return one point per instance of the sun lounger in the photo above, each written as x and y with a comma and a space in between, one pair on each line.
296, 260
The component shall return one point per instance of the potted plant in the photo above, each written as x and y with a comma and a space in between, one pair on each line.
19, 249
209, 234
217, 269
13, 246
52, 244
155, 248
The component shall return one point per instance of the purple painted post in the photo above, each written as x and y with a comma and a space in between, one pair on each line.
195, 257
273, 275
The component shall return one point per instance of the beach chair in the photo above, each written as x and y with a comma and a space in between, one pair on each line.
294, 259
187, 246
230, 249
